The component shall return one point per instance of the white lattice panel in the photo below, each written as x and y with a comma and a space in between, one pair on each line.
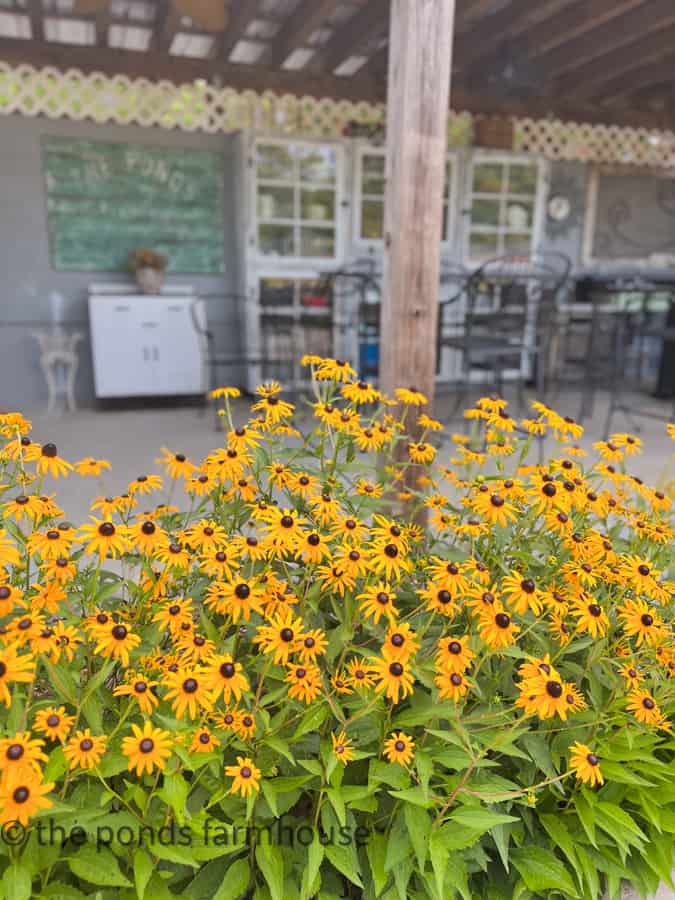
199, 106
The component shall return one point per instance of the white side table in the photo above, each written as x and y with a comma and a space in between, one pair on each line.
59, 361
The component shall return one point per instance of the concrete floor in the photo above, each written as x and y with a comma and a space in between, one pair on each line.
131, 438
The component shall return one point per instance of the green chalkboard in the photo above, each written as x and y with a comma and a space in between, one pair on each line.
105, 200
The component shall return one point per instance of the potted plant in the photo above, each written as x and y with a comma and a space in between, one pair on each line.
148, 267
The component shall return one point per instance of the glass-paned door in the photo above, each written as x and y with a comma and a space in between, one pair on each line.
370, 184
296, 317
503, 206
296, 189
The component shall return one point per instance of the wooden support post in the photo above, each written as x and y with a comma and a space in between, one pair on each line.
420, 48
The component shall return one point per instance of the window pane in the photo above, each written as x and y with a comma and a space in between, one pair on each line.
276, 292
275, 203
372, 180
318, 164
482, 246
372, 220
522, 179
317, 241
487, 178
485, 212
276, 240
317, 205
275, 161
517, 244
316, 295
519, 215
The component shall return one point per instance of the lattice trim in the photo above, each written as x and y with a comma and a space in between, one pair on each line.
201, 107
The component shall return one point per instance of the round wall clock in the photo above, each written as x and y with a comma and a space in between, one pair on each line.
559, 208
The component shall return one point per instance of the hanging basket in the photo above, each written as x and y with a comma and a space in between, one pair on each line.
494, 132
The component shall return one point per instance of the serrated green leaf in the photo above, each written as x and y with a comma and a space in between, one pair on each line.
541, 870
143, 868
376, 851
97, 866
418, 822
16, 883
271, 863
346, 861
235, 881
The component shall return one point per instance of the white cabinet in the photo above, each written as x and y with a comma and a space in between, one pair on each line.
146, 345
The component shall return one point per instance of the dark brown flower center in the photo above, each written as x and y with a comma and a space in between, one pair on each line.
147, 745
554, 689
502, 620
396, 669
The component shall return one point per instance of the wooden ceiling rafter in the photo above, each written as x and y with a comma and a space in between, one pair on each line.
35, 14
574, 22
612, 35
298, 28
241, 16
357, 31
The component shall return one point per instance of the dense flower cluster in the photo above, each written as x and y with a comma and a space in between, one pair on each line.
465, 652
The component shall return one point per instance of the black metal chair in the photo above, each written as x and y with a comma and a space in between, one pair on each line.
504, 320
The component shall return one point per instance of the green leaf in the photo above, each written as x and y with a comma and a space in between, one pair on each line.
412, 795
538, 748
617, 823
98, 867
271, 864
377, 852
235, 882
586, 817
542, 871
398, 843
345, 861
502, 837
143, 867
480, 818
419, 828
62, 681
590, 872
561, 838
439, 854
338, 804
310, 721
62, 891
16, 883
315, 854
280, 747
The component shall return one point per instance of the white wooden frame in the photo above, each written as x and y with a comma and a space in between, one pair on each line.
504, 157
296, 261
374, 244
591, 216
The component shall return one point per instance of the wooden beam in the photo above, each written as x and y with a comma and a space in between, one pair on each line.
470, 11
509, 22
572, 23
611, 68
35, 14
102, 22
417, 116
165, 27
609, 36
242, 13
298, 28
182, 70
652, 73
357, 31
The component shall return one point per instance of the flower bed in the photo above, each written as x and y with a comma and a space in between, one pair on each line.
289, 688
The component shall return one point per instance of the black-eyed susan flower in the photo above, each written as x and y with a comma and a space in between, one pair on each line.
334, 370
632, 675
641, 622
189, 692
225, 676
493, 507
645, 708
394, 676
451, 685
90, 467
361, 673
141, 690
84, 749
204, 741
438, 599
305, 682
410, 397
177, 465
590, 615
104, 538
280, 636
116, 640
343, 747
495, 626
147, 748
521, 593
22, 795
14, 668
18, 751
273, 408
310, 645
235, 598
399, 748
585, 764
360, 392
246, 777
49, 462
454, 654
54, 722
378, 601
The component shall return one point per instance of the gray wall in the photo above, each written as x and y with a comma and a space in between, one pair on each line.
26, 275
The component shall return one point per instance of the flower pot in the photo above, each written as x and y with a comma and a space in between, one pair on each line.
150, 280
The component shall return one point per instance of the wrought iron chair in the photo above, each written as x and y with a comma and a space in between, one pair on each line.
504, 322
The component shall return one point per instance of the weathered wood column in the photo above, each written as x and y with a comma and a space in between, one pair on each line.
420, 48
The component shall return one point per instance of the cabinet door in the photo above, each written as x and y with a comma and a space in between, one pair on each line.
180, 350
121, 351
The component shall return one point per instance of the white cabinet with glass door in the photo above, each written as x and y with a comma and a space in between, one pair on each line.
296, 232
